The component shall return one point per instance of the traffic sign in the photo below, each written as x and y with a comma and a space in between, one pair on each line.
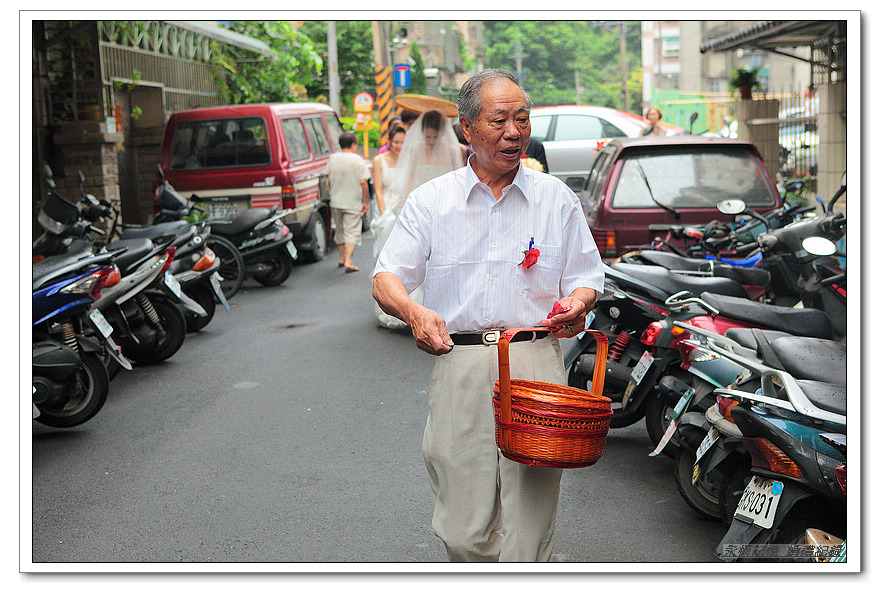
401, 75
363, 102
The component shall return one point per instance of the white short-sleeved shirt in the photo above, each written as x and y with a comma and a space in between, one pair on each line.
466, 247
345, 171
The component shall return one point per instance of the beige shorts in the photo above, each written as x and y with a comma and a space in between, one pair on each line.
348, 226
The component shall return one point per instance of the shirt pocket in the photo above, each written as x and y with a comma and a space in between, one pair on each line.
541, 281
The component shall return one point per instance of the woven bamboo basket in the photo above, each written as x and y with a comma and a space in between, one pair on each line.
544, 424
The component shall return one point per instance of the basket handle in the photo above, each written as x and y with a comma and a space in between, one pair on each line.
504, 366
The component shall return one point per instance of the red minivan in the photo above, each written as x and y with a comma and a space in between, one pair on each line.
232, 158
638, 188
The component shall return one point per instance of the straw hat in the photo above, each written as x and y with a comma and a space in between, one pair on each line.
423, 103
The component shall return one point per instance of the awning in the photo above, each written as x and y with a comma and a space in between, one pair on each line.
773, 35
215, 31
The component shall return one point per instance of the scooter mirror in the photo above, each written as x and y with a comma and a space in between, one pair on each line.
819, 246
731, 206
843, 179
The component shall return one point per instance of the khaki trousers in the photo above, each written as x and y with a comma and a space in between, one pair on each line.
486, 507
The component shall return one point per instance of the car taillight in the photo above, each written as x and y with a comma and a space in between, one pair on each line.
651, 333
606, 242
766, 455
288, 196
840, 474
206, 261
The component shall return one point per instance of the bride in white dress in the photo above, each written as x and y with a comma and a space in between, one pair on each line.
430, 149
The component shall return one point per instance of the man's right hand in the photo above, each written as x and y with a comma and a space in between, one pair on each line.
428, 327
429, 330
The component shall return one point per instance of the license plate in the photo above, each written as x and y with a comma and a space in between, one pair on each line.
215, 284
172, 283
222, 210
707, 443
642, 367
590, 317
101, 323
759, 501
291, 248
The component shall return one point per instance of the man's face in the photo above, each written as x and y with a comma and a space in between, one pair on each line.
500, 133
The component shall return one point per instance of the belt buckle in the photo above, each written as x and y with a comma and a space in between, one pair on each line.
490, 338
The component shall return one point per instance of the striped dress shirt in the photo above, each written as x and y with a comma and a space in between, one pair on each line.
466, 246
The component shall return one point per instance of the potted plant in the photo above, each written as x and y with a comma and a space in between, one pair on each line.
744, 80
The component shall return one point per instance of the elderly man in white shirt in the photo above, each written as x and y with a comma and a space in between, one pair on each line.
466, 235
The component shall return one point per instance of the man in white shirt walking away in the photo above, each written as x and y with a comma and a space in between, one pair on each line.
349, 197
497, 245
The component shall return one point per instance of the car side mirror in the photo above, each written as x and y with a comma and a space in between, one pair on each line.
731, 206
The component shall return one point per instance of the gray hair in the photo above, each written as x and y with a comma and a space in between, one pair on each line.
469, 104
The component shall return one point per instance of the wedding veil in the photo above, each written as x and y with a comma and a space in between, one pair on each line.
420, 162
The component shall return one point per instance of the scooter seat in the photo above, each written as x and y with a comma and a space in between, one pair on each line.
240, 222
47, 266
812, 358
672, 283
157, 230
800, 322
740, 274
827, 396
136, 249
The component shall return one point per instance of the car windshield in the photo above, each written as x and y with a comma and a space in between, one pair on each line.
691, 179
207, 144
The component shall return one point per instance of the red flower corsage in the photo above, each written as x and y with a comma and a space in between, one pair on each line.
530, 256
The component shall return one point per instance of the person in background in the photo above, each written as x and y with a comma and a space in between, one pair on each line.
536, 151
349, 197
464, 234
392, 123
653, 115
407, 118
384, 166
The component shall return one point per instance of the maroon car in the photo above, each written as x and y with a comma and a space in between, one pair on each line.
638, 188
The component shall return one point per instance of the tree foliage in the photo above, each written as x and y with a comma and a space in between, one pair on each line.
418, 81
251, 80
554, 50
354, 54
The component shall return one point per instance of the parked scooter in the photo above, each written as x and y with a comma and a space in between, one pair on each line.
713, 465
195, 266
264, 241
70, 380
143, 306
173, 208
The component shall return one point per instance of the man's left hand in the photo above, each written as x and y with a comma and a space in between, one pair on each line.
572, 319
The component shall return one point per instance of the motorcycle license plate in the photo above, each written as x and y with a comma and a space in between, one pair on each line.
642, 367
215, 284
707, 443
638, 373
759, 501
172, 283
101, 323
291, 248
590, 317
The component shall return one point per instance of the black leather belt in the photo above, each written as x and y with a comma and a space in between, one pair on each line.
491, 337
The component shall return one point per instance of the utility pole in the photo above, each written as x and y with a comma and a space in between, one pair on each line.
624, 92
334, 65
518, 55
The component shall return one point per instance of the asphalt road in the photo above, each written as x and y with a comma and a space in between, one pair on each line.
289, 431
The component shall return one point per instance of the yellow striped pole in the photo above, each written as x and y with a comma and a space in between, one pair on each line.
384, 99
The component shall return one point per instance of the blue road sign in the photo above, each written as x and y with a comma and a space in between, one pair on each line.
401, 75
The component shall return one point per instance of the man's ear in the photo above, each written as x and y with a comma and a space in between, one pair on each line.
465, 128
